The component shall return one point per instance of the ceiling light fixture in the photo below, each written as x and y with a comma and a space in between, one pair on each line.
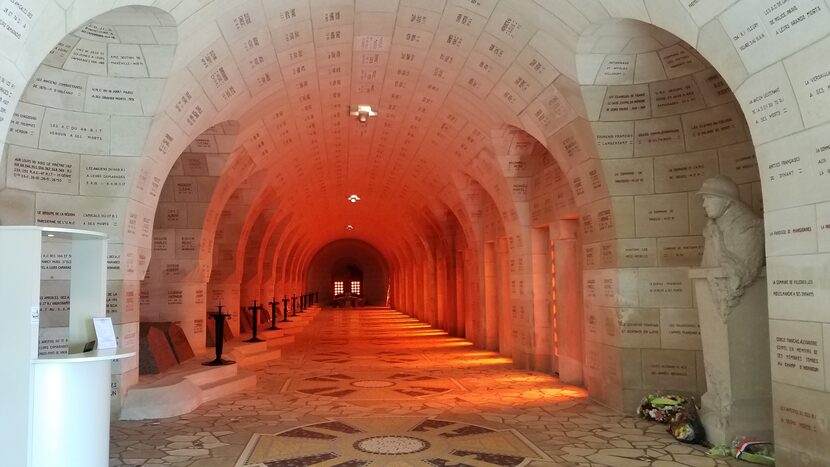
362, 112
354, 198
350, 227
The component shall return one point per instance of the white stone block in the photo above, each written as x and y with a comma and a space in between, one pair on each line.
52, 87
658, 136
629, 176
810, 75
670, 370
714, 127
39, 170
664, 287
661, 215
680, 329
75, 132
25, 125
684, 172
614, 139
791, 231
798, 287
680, 251
769, 102
797, 353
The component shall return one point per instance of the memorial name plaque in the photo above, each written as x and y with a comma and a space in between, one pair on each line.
75, 132
801, 425
25, 125
739, 163
56, 88
795, 287
661, 215
616, 69
16, 19
679, 61
55, 261
714, 88
772, 109
57, 56
675, 96
680, 251
629, 176
797, 353
38, 170
639, 328
117, 96
664, 287
636, 253
98, 32
670, 369
126, 60
88, 57
794, 168
679, 329
53, 341
764, 31
791, 231
626, 103
614, 139
106, 176
658, 136
714, 127
685, 172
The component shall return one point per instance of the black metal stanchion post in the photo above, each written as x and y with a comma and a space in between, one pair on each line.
285, 308
219, 335
274, 304
293, 305
316, 299
254, 319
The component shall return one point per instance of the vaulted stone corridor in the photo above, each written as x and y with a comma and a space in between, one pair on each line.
438, 400
569, 204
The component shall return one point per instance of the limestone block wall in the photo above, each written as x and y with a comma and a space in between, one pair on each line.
74, 149
664, 120
174, 288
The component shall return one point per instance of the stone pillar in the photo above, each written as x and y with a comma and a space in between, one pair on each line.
503, 298
568, 302
460, 295
430, 291
738, 400
542, 332
491, 302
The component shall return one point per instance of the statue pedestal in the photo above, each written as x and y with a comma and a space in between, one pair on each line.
736, 357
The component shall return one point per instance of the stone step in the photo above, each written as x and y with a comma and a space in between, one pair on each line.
224, 387
184, 389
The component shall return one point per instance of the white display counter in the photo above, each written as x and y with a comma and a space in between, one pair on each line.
55, 410
71, 414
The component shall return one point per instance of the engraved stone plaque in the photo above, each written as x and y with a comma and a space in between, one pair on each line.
661, 215
664, 287
797, 353
679, 329
670, 369
658, 136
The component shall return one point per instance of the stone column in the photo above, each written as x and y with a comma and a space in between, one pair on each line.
568, 302
491, 302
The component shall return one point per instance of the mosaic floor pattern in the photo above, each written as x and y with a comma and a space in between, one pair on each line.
375, 387
404, 441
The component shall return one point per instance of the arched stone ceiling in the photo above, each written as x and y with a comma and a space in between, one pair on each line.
441, 76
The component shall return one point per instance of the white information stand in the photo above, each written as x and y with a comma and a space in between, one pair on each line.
55, 410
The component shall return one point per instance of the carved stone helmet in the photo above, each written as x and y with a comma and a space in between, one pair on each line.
721, 186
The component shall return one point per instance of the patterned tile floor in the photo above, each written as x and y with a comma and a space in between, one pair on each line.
375, 387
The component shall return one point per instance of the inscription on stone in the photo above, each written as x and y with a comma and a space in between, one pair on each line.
626, 103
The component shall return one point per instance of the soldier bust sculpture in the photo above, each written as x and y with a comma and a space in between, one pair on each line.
734, 240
